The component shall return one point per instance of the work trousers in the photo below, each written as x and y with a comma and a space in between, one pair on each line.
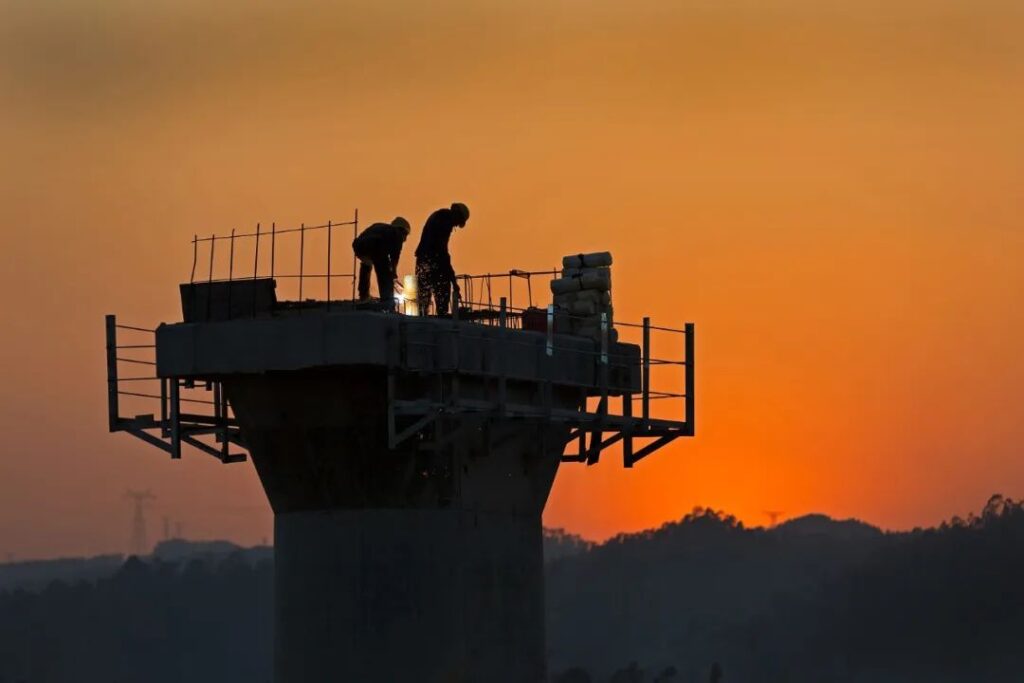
433, 283
381, 263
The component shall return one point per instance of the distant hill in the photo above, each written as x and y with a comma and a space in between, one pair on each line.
181, 550
810, 600
35, 575
559, 543
660, 596
821, 525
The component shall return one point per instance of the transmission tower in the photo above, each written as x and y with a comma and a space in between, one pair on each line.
773, 516
139, 544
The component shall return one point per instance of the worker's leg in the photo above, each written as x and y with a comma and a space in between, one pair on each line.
442, 290
423, 287
364, 277
385, 283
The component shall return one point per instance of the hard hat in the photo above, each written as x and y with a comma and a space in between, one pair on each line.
402, 224
461, 212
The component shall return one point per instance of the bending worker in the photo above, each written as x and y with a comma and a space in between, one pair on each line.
378, 248
435, 277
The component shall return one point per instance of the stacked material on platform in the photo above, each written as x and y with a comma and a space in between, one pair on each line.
583, 294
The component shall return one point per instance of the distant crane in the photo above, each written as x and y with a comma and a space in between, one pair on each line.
773, 516
139, 544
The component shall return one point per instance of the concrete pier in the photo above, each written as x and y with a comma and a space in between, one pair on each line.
408, 462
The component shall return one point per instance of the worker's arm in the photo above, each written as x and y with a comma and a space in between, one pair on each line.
396, 253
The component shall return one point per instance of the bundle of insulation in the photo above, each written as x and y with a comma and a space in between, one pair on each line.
583, 293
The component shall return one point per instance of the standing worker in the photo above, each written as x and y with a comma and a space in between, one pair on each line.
378, 248
435, 277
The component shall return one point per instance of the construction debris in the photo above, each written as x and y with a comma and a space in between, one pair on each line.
583, 294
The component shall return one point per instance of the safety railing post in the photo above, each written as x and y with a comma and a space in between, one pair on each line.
547, 363
646, 380
302, 255
165, 429
502, 337
604, 339
231, 270
273, 247
256, 267
112, 398
195, 257
691, 383
209, 278
225, 437
550, 346
355, 234
175, 409
627, 439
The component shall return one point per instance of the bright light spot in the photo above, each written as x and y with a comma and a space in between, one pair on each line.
406, 301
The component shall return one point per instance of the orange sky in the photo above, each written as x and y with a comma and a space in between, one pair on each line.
830, 190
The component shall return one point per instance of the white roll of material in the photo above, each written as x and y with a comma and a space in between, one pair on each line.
599, 279
566, 285
593, 260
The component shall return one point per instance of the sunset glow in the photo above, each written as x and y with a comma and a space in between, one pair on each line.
830, 191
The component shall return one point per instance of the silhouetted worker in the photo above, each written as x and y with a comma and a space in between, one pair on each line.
378, 248
435, 277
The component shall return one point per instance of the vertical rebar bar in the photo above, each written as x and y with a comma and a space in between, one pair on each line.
329, 264
213, 241
195, 257
273, 246
302, 254
256, 258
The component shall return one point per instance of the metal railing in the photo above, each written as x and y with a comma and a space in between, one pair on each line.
599, 416
209, 412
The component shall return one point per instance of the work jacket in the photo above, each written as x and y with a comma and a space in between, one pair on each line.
433, 247
380, 239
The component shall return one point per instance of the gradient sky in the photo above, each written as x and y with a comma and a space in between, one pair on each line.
830, 190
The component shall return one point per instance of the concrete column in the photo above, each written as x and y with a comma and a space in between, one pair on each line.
421, 564
431, 596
